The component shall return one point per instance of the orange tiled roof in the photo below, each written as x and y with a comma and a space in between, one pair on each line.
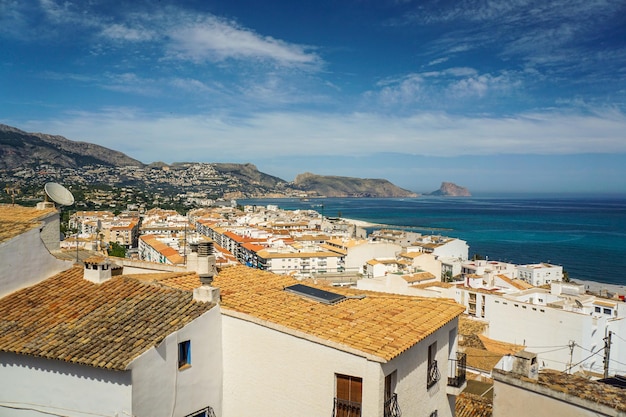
584, 388
378, 325
471, 405
16, 220
106, 326
418, 277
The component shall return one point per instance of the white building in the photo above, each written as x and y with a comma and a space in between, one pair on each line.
302, 351
72, 347
27, 238
565, 327
540, 274
356, 252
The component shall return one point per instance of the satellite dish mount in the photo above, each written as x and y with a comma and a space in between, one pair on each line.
58, 194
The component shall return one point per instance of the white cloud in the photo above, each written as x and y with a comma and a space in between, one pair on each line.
438, 89
215, 39
125, 33
280, 134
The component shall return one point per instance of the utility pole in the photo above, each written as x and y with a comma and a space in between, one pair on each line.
607, 353
572, 345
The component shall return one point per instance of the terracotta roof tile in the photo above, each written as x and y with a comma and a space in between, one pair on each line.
107, 325
16, 220
470, 405
584, 388
379, 324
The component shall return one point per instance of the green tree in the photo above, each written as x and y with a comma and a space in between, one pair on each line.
115, 249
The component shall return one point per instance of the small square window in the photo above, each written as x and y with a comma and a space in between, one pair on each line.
184, 354
597, 309
607, 311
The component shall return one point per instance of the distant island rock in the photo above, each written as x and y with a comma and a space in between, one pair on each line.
334, 186
449, 189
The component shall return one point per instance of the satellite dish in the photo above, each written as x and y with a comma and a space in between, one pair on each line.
579, 304
59, 194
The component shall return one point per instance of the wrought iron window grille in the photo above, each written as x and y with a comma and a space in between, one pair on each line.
392, 409
433, 374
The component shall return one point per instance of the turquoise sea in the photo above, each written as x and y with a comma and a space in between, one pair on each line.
585, 234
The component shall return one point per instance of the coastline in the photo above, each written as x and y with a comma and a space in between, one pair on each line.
361, 223
600, 287
593, 287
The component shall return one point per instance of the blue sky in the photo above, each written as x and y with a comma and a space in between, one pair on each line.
521, 95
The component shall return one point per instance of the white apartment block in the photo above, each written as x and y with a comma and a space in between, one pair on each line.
153, 249
442, 247
357, 252
563, 326
304, 261
540, 274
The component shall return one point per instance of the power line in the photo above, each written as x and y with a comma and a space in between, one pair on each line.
588, 357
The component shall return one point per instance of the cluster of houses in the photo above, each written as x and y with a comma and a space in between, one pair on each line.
222, 328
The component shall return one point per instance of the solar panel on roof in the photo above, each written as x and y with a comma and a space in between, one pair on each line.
322, 296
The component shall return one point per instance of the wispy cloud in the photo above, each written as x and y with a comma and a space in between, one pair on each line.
124, 33
198, 37
443, 89
216, 39
208, 137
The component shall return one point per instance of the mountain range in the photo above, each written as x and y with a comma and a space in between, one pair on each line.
20, 149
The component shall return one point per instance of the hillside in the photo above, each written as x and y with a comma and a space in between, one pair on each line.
28, 160
334, 186
19, 149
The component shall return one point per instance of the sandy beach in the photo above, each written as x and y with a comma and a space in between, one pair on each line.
361, 223
598, 287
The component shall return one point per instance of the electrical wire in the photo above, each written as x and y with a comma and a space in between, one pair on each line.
590, 356
30, 407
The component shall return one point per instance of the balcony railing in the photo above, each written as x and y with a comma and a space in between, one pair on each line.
433, 374
391, 407
345, 408
456, 370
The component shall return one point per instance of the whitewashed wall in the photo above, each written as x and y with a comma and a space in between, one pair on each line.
62, 388
161, 389
25, 261
358, 255
414, 398
271, 373
544, 329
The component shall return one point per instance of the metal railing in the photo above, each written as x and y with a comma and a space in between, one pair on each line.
456, 370
345, 408
433, 374
391, 407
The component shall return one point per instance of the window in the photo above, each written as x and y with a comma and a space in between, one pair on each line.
391, 408
184, 354
597, 309
348, 397
607, 311
433, 371
205, 412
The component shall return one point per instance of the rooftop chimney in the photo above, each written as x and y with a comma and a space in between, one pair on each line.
523, 363
97, 269
206, 271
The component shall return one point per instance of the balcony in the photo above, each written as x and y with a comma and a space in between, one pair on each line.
456, 374
391, 407
345, 408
